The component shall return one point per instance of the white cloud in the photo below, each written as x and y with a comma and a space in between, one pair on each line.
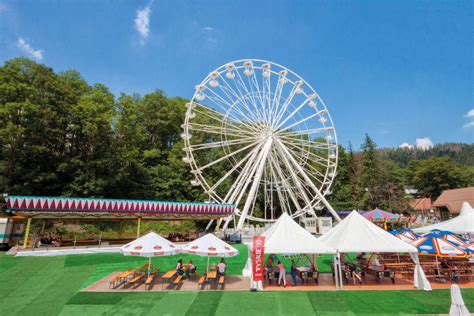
470, 124
469, 115
424, 143
406, 145
26, 48
209, 34
142, 23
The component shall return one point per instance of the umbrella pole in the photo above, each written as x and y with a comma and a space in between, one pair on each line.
437, 266
207, 270
149, 266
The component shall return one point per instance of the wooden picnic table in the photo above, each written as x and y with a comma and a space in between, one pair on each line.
168, 276
379, 272
212, 275
398, 265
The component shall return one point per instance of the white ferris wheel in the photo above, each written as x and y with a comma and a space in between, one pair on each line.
257, 135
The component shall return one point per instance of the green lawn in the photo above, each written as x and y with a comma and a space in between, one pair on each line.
51, 286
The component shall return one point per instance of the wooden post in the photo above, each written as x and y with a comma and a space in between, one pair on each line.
42, 228
138, 226
27, 232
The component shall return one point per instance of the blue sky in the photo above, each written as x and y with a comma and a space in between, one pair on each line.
398, 70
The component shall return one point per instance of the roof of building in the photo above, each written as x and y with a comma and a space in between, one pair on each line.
66, 207
453, 199
422, 204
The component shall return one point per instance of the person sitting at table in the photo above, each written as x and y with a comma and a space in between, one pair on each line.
221, 267
179, 267
294, 272
269, 268
281, 274
444, 263
190, 268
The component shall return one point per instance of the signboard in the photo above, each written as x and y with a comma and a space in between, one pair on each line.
258, 255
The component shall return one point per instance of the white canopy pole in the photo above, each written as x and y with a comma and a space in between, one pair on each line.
419, 278
341, 285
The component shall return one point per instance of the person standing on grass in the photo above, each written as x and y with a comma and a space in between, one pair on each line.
281, 274
294, 272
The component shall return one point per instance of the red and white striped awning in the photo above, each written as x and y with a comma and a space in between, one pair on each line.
82, 207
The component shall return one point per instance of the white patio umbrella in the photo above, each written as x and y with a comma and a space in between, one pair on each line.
457, 303
148, 246
211, 246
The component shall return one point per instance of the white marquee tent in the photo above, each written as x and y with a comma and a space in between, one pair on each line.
461, 224
286, 236
357, 234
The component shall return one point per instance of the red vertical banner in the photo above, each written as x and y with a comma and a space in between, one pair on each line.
258, 254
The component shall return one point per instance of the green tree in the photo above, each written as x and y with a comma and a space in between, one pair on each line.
370, 175
354, 177
433, 176
341, 197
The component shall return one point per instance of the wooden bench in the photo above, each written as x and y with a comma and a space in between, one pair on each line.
120, 278
201, 282
221, 281
150, 278
177, 281
113, 282
136, 279
168, 276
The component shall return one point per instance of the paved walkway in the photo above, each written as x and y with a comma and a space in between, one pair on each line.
239, 283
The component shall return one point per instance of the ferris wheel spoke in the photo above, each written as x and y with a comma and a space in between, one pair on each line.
260, 94
256, 180
304, 143
218, 100
290, 169
228, 89
289, 157
238, 187
276, 170
277, 96
219, 130
217, 144
235, 123
306, 154
284, 107
309, 142
310, 170
268, 99
226, 157
296, 110
304, 120
231, 171
240, 84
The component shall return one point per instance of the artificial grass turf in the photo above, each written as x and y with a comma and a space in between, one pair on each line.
278, 303
51, 285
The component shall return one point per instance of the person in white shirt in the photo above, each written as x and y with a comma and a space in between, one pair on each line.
221, 267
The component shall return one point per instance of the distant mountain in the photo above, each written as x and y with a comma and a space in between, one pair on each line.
463, 154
